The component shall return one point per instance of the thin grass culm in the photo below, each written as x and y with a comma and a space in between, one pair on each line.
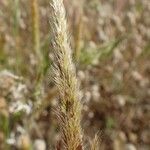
69, 112
35, 29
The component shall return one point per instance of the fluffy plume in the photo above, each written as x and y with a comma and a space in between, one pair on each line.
65, 79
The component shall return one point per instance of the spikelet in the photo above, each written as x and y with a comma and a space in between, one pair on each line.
65, 79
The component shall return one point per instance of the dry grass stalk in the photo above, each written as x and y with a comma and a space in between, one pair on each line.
35, 28
16, 32
78, 31
65, 79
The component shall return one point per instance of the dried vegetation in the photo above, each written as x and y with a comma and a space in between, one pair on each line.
110, 44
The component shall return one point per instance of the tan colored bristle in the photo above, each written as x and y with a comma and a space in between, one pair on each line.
95, 143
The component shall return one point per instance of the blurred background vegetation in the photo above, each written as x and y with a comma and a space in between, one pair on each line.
111, 50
